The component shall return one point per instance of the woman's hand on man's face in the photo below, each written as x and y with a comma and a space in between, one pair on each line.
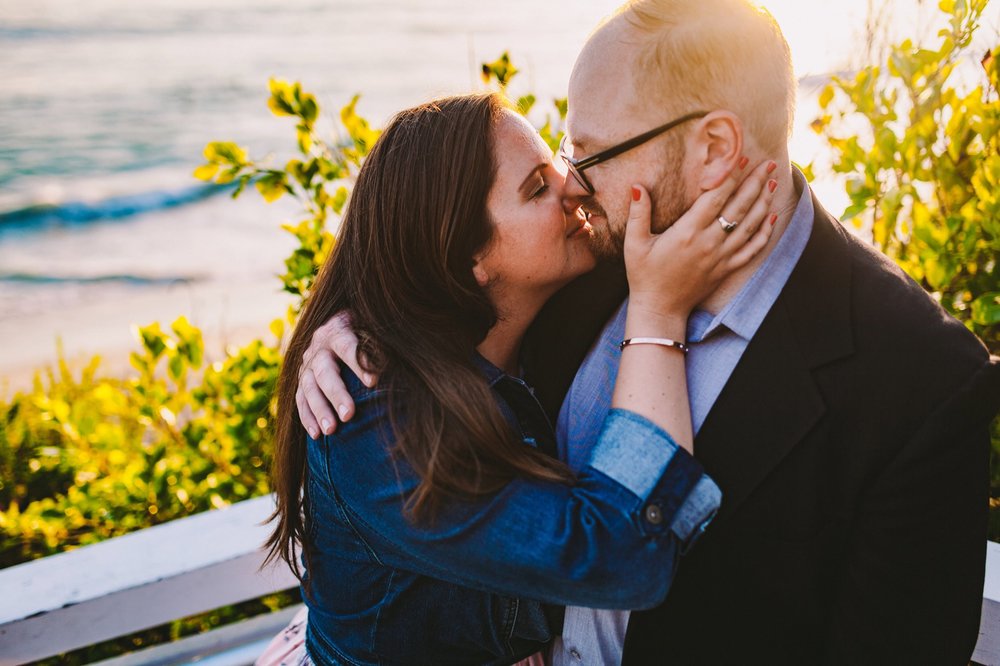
671, 273
321, 396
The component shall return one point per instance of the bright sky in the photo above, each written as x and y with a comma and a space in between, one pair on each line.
825, 35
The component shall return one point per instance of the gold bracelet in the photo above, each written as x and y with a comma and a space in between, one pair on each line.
663, 342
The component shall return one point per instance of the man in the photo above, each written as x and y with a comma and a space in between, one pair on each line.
844, 415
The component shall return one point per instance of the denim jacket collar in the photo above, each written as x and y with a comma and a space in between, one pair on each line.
492, 373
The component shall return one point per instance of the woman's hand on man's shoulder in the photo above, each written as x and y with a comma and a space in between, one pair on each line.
322, 397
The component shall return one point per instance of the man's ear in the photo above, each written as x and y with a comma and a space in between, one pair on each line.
715, 148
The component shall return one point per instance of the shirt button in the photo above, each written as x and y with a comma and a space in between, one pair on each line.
653, 514
576, 655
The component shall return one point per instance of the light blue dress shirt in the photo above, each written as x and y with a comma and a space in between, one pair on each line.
596, 637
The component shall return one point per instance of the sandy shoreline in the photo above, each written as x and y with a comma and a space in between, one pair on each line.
229, 313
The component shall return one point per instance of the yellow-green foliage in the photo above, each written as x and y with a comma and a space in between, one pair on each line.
86, 459
924, 172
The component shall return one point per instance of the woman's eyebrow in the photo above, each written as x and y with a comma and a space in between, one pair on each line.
527, 181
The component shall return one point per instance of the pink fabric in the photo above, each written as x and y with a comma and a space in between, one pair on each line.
289, 647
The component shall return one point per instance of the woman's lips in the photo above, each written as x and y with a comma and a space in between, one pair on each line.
583, 228
583, 222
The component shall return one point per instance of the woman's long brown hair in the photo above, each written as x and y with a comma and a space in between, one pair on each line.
403, 268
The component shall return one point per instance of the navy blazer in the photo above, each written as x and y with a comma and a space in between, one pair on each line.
851, 444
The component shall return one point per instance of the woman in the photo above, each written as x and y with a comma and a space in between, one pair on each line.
437, 526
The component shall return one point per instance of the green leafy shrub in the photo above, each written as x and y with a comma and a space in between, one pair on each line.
87, 459
923, 173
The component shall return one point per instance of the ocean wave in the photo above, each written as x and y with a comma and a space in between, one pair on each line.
75, 213
125, 279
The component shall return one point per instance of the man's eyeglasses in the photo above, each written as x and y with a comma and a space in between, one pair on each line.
577, 167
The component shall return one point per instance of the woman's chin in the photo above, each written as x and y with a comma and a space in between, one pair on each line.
582, 258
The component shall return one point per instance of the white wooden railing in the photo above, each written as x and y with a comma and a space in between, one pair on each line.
136, 581
196, 564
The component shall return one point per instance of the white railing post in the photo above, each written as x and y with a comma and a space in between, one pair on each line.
988, 648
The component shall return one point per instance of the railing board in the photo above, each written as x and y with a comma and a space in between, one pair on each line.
237, 644
134, 582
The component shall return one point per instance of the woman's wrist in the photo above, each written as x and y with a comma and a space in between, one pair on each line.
645, 321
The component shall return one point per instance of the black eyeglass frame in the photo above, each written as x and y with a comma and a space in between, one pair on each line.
577, 167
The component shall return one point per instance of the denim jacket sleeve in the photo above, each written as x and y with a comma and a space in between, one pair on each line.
611, 540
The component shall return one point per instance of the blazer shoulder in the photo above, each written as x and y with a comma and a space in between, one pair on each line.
892, 311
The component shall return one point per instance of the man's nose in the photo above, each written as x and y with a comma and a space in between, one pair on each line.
573, 194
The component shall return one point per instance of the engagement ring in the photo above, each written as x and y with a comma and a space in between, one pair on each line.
727, 226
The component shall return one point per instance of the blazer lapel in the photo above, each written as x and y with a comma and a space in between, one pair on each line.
771, 401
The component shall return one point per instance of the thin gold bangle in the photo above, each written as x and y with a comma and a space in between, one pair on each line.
662, 342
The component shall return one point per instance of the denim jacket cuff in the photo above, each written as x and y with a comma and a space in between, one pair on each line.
675, 492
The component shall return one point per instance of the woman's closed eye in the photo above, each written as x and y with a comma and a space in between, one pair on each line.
539, 189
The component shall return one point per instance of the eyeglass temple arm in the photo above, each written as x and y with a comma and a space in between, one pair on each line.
614, 151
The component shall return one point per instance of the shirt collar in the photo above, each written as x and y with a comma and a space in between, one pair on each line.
745, 312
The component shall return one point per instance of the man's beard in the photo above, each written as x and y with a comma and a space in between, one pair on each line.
608, 240
669, 204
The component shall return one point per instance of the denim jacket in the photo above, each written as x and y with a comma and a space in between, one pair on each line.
475, 586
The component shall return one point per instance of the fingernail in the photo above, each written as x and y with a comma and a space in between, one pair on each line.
342, 410
744, 161
313, 433
636, 193
772, 185
771, 166
774, 218
325, 423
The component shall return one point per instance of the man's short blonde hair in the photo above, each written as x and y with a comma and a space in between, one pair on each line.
717, 55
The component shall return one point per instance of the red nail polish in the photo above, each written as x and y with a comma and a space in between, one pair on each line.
774, 218
636, 193
744, 161
771, 166
772, 185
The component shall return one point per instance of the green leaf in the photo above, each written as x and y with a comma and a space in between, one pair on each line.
152, 339
206, 171
225, 152
339, 200
175, 367
228, 175
562, 105
280, 100
525, 103
271, 186
826, 97
500, 70
309, 108
986, 309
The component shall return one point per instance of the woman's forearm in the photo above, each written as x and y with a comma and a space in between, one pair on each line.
651, 378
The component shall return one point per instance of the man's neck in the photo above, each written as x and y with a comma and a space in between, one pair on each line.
786, 200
